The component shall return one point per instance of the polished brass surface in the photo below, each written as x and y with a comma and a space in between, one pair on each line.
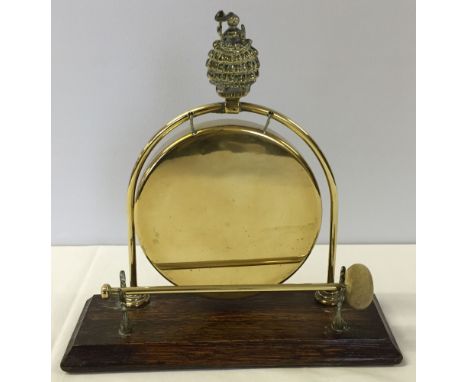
220, 108
359, 286
107, 290
227, 205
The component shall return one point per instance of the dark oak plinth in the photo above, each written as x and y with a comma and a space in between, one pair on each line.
274, 329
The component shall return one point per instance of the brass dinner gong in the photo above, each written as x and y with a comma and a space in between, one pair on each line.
230, 210
232, 204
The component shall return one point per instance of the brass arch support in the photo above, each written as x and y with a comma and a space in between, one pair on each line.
220, 108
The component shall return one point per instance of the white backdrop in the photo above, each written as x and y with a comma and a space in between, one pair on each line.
344, 70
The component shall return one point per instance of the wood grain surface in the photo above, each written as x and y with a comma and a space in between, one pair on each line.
272, 329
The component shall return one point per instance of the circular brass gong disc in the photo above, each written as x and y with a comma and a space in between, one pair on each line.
227, 205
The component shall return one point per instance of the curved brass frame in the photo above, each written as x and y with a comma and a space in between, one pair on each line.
221, 108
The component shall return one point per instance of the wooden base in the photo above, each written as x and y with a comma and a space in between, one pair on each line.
274, 329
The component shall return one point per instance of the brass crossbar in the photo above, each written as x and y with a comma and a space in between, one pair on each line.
107, 290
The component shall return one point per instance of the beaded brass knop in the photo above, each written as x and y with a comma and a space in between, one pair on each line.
233, 62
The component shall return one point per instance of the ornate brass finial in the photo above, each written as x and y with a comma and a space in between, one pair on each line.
233, 62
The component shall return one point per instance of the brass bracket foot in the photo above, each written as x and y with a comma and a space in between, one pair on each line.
327, 298
137, 300
132, 301
332, 298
